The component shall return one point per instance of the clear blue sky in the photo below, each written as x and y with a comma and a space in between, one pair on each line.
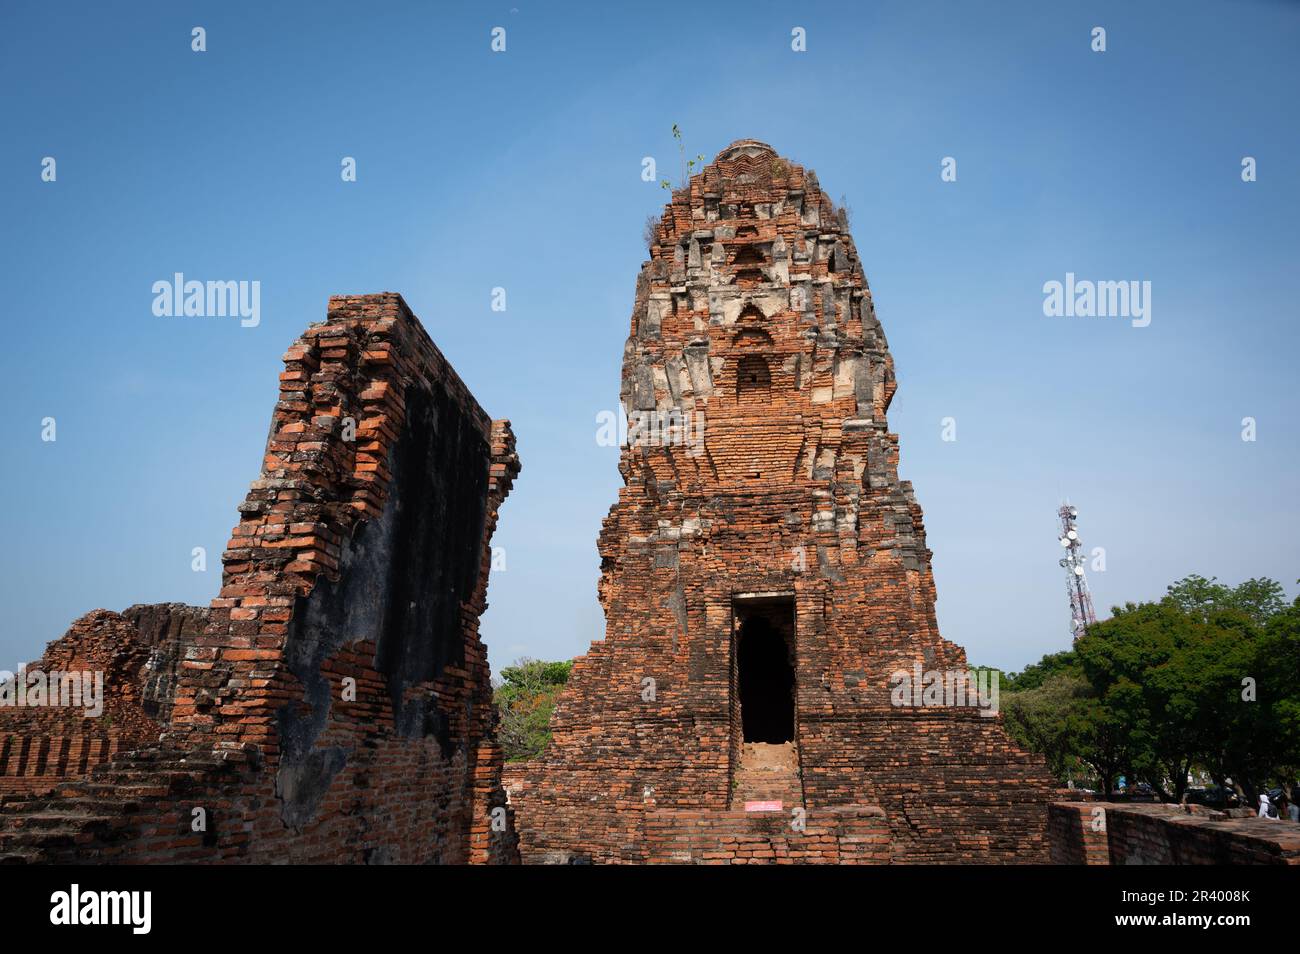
522, 170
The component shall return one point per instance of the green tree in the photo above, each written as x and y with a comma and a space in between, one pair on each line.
1051, 719
1035, 674
525, 697
1256, 711
1057, 714
1152, 666
1260, 599
1206, 677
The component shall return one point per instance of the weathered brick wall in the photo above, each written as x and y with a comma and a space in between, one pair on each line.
1159, 834
337, 705
753, 314
169, 629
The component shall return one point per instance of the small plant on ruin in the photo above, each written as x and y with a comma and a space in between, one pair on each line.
688, 165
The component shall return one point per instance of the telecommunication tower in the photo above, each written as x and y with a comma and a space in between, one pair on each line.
1076, 582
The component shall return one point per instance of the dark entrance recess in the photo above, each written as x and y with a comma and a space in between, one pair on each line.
765, 668
753, 380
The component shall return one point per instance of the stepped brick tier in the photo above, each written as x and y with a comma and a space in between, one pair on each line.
333, 704
1102, 833
764, 573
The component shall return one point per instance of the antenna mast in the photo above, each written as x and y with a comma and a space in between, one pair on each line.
1076, 583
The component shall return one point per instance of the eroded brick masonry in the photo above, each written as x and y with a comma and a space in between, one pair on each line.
764, 573
333, 704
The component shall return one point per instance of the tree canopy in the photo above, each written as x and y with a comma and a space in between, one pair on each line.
525, 697
1205, 678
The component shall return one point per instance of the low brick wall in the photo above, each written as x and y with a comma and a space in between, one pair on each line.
1075, 835
1158, 834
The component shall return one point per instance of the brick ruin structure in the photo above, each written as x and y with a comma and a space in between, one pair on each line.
333, 704
764, 577
764, 573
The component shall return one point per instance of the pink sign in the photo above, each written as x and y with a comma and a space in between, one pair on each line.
762, 806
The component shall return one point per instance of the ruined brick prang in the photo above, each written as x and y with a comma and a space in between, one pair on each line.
776, 504
335, 704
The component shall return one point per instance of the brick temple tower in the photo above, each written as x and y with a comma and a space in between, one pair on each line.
765, 576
